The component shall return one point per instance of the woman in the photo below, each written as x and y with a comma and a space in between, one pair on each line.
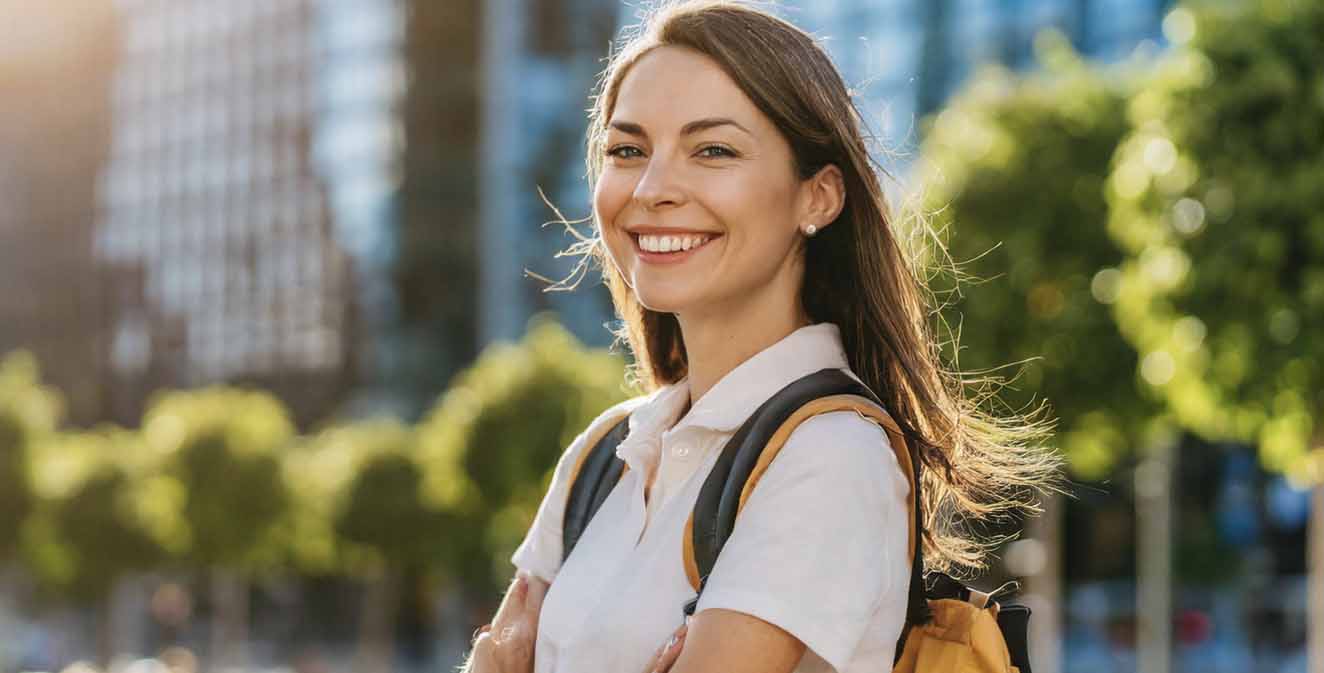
746, 242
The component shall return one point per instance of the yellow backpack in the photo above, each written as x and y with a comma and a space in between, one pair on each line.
950, 628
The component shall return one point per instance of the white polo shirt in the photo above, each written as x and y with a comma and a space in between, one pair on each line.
818, 550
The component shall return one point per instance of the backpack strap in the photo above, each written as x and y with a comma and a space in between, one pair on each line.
744, 459
757, 442
600, 468
839, 402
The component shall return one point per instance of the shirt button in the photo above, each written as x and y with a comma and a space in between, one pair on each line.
681, 451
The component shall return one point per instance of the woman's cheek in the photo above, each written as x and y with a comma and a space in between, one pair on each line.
615, 241
610, 198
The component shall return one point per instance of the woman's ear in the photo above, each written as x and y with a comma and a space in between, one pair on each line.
824, 197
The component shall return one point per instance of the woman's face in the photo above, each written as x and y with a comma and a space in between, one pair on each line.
690, 156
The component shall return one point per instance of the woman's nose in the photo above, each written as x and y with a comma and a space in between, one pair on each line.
659, 185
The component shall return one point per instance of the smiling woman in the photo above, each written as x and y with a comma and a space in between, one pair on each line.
743, 234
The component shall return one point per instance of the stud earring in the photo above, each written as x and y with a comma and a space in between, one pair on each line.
811, 230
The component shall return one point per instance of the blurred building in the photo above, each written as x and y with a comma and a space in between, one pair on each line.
330, 152
221, 204
540, 60
436, 263
276, 193
905, 57
214, 221
56, 63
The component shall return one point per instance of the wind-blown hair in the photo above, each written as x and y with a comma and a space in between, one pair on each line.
980, 467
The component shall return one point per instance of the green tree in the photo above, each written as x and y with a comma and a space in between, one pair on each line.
223, 447
28, 411
99, 518
491, 442
363, 512
1216, 197
1013, 173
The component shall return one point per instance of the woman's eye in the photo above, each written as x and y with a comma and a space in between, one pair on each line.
616, 151
719, 148
709, 152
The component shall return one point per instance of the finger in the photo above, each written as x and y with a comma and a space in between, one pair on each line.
657, 654
663, 648
485, 628
655, 659
512, 601
510, 611
670, 652
537, 591
483, 645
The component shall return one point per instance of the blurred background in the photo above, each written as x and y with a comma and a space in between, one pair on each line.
280, 388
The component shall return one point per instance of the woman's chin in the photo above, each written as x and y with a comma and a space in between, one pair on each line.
663, 302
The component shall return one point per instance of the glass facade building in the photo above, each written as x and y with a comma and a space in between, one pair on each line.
245, 209
541, 59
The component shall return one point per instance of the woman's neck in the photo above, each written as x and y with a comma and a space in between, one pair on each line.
717, 344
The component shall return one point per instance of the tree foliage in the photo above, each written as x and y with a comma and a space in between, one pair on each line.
28, 412
222, 448
99, 517
1013, 172
1216, 197
491, 442
360, 500
216, 478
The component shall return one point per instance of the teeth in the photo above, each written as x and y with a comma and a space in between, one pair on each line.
671, 243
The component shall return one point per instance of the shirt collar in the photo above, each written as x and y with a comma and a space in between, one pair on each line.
736, 395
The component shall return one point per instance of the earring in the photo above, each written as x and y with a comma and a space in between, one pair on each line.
811, 230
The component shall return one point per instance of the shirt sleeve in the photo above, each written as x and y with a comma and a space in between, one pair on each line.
822, 540
541, 551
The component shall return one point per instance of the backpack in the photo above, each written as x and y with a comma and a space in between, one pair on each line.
949, 627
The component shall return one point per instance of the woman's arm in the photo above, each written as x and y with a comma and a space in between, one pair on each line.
832, 511
727, 641
508, 645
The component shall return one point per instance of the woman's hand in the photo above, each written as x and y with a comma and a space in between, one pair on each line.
508, 645
665, 656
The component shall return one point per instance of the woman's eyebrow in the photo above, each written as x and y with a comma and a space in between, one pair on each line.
695, 126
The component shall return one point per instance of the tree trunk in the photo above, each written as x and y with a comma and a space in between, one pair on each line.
105, 638
453, 616
229, 622
377, 623
1315, 579
1043, 590
1153, 483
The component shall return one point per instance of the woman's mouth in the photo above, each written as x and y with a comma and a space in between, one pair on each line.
670, 249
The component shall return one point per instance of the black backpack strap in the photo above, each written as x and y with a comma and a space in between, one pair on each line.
714, 514
598, 470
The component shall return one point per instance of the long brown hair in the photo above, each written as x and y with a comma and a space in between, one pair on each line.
981, 467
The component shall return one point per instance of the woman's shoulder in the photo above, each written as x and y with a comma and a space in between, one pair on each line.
843, 430
846, 443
